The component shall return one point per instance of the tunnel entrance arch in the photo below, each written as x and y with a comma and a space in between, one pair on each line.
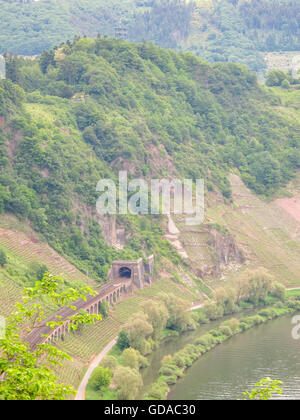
125, 273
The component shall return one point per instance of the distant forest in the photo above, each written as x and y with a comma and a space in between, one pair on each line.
217, 30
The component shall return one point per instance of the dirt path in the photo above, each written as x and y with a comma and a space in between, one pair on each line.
172, 237
200, 305
80, 396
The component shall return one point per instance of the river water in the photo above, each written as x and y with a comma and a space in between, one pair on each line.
234, 366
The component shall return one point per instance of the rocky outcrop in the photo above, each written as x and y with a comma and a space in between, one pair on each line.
226, 250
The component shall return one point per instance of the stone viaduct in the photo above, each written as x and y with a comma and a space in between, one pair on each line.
122, 277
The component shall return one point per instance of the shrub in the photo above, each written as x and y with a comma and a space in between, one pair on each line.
128, 383
191, 351
170, 380
104, 309
157, 391
166, 359
256, 320
130, 357
109, 362
123, 340
278, 291
233, 324
100, 378
207, 341
214, 333
179, 360
3, 258
285, 84
226, 330
268, 313
244, 325
213, 311
170, 369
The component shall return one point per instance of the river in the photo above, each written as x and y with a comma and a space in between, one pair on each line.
234, 366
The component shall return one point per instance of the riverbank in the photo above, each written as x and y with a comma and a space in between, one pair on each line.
175, 367
200, 317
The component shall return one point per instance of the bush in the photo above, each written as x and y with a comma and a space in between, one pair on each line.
268, 313
170, 369
207, 341
191, 351
3, 258
233, 324
179, 359
214, 333
157, 391
167, 359
225, 330
123, 340
285, 84
130, 357
104, 308
128, 383
109, 362
170, 380
213, 311
100, 378
278, 291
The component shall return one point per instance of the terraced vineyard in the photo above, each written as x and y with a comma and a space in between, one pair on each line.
29, 249
269, 236
168, 286
93, 338
125, 309
10, 293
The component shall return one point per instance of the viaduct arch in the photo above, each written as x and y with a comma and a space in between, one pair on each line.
122, 276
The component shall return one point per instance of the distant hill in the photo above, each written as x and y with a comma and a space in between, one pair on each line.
217, 30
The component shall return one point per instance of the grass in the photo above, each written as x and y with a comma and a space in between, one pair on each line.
106, 395
293, 293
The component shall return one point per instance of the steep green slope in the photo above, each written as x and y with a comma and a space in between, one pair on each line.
94, 107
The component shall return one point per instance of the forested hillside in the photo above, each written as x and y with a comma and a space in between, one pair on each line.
92, 107
217, 30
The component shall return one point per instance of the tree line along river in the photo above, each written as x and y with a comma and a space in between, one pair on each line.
237, 364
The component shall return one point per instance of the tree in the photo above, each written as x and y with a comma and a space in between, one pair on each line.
276, 77
264, 389
139, 329
128, 383
26, 374
123, 340
260, 283
285, 84
130, 357
3, 258
278, 291
157, 316
109, 362
104, 308
213, 311
179, 317
253, 285
100, 378
227, 298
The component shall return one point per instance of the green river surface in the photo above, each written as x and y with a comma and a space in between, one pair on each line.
236, 365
